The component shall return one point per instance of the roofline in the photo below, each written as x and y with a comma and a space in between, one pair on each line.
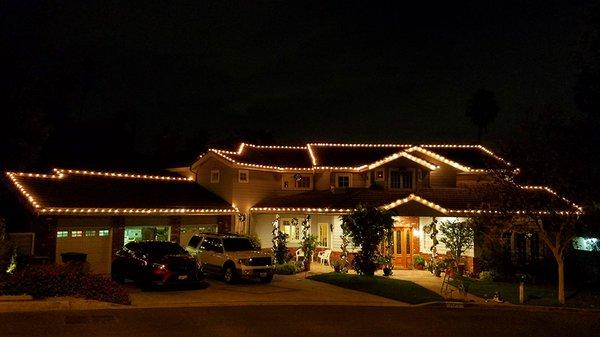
60, 174
408, 148
425, 202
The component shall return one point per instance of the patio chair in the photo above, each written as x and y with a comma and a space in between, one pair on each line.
325, 256
299, 254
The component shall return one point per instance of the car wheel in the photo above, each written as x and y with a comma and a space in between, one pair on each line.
229, 275
267, 279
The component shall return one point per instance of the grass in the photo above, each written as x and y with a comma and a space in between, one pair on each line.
536, 294
400, 290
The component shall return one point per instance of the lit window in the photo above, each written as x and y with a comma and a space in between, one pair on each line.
103, 232
293, 231
62, 234
76, 234
243, 176
90, 233
323, 234
343, 180
215, 176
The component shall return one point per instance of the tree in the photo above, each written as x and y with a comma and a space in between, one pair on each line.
367, 227
555, 219
458, 238
482, 109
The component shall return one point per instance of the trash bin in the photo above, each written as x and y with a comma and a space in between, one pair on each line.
73, 257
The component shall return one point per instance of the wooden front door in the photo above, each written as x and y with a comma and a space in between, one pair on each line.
402, 247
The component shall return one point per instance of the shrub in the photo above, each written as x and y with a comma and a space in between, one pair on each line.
41, 281
367, 227
487, 275
340, 266
418, 260
289, 268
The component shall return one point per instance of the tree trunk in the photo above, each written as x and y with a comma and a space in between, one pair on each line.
561, 278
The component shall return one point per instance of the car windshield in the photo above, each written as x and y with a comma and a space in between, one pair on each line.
161, 248
237, 244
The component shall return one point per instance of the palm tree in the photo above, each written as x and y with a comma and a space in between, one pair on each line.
482, 109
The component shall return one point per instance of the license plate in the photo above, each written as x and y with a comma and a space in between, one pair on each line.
263, 274
182, 277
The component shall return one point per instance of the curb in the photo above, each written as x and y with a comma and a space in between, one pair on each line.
509, 306
53, 304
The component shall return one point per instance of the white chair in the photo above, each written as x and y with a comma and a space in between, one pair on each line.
325, 256
299, 254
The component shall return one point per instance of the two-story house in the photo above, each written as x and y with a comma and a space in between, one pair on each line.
420, 183
248, 189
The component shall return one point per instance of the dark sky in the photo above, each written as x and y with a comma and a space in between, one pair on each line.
108, 80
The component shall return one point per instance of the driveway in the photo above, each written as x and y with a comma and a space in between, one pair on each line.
283, 290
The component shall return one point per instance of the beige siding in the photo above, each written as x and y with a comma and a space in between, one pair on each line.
444, 176
323, 181
224, 187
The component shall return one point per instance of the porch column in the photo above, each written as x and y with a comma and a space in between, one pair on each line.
45, 238
175, 224
118, 234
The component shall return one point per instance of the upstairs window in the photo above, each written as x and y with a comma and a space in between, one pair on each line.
243, 176
343, 180
302, 182
215, 176
401, 179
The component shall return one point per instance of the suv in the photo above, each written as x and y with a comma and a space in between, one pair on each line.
232, 256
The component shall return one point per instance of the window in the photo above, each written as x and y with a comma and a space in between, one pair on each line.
379, 175
291, 228
343, 180
103, 232
302, 182
62, 234
212, 245
401, 179
76, 234
215, 176
243, 176
323, 234
90, 232
194, 241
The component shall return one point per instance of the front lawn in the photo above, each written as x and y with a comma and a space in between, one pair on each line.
535, 294
400, 290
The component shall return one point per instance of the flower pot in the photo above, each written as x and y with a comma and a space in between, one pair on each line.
419, 267
438, 272
387, 271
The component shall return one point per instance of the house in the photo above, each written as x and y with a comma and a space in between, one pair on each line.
282, 185
252, 188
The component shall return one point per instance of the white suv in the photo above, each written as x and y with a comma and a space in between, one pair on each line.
232, 256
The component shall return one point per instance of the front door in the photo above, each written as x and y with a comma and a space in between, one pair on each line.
402, 247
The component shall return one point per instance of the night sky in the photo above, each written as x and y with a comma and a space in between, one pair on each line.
120, 84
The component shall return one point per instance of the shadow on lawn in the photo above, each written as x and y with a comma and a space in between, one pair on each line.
400, 290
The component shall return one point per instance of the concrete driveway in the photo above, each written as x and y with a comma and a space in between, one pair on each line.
283, 290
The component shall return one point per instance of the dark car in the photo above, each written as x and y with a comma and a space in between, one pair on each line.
156, 263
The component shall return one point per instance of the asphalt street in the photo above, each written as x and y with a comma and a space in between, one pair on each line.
302, 320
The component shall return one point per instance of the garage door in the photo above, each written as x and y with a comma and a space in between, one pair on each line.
96, 242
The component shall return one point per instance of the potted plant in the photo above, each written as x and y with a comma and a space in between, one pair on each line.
337, 266
386, 263
419, 262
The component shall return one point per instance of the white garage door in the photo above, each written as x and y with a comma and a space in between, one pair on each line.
95, 242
